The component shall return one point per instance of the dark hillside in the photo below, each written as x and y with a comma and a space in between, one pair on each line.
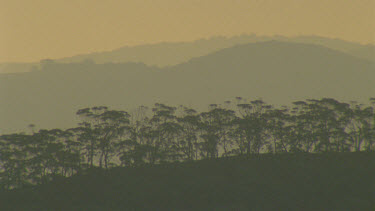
332, 181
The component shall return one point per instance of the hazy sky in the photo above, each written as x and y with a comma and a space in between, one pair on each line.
31, 30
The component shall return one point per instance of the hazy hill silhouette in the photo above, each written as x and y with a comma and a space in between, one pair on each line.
17, 67
173, 53
289, 69
279, 72
292, 181
166, 54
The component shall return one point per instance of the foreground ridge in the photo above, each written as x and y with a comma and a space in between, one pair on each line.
288, 181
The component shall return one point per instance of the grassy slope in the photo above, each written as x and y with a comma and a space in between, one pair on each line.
342, 181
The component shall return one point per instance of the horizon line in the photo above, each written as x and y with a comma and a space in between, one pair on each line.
193, 41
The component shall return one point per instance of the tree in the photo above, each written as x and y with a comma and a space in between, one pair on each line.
276, 126
253, 124
189, 144
216, 125
167, 129
107, 126
359, 127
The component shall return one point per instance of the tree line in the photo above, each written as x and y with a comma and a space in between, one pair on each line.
106, 138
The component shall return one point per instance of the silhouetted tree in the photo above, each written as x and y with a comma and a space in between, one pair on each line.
189, 144
106, 138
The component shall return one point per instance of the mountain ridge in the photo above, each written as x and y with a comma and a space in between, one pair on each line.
50, 97
165, 54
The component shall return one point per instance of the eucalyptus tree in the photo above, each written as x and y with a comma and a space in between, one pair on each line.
245, 127
276, 126
55, 152
190, 122
238, 138
151, 146
305, 128
320, 125
367, 116
370, 146
209, 128
61, 149
114, 125
225, 118
28, 159
85, 135
142, 144
35, 161
48, 151
88, 132
340, 141
5, 154
359, 126
166, 127
104, 127
132, 146
217, 125
253, 124
138, 120
126, 152
13, 160
72, 155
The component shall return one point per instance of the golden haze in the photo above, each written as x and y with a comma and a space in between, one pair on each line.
39, 29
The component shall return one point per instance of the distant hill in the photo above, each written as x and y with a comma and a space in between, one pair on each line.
167, 54
278, 72
14, 67
173, 53
292, 181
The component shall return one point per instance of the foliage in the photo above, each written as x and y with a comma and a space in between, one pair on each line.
106, 138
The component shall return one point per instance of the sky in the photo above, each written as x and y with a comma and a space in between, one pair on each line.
31, 30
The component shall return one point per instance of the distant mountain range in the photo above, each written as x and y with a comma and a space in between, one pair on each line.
169, 54
278, 72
